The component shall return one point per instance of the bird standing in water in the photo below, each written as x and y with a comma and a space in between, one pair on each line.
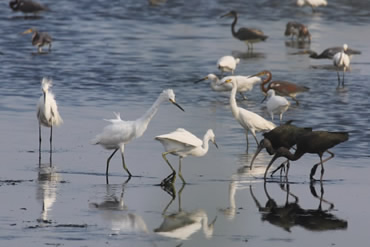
330, 52
47, 111
247, 35
341, 61
297, 29
119, 133
276, 104
27, 6
39, 39
312, 3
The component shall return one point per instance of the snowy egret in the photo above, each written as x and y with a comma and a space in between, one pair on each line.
315, 142
276, 104
282, 88
247, 119
183, 143
297, 29
341, 61
119, 132
245, 83
312, 3
27, 6
39, 39
47, 110
247, 35
330, 52
227, 64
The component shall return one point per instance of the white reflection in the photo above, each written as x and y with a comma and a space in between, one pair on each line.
182, 224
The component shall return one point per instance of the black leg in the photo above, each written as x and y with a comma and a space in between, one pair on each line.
108, 160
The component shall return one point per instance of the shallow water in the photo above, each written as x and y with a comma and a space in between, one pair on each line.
117, 56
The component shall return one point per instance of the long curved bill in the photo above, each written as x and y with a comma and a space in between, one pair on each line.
228, 14
173, 102
259, 148
203, 79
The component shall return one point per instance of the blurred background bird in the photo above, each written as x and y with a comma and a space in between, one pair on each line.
39, 39
27, 6
298, 30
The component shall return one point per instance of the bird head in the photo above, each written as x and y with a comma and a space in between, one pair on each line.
345, 47
208, 77
31, 30
231, 13
46, 83
212, 136
171, 97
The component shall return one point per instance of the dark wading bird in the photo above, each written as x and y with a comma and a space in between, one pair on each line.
285, 135
27, 6
119, 132
247, 35
315, 142
39, 39
299, 30
330, 52
282, 88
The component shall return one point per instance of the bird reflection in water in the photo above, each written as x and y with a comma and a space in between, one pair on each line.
182, 224
115, 211
48, 180
292, 214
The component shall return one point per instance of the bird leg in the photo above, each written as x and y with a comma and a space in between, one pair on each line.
180, 175
39, 144
338, 79
343, 77
51, 138
170, 179
49, 47
108, 160
282, 168
313, 169
124, 165
243, 96
246, 136
165, 158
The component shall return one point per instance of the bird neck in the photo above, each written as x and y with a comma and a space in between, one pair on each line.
214, 83
145, 119
287, 154
265, 81
233, 105
233, 25
205, 145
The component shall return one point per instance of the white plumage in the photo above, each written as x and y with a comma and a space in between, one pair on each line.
120, 132
312, 3
276, 104
183, 143
247, 119
227, 64
342, 61
47, 110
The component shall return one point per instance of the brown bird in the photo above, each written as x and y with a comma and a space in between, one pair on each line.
297, 29
282, 88
315, 142
39, 39
27, 6
247, 35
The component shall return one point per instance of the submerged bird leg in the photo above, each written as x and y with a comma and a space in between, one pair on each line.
313, 169
124, 165
165, 158
170, 179
51, 138
281, 168
108, 160
49, 47
180, 175
338, 79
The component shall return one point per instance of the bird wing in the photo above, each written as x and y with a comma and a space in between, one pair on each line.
183, 136
250, 34
117, 133
286, 88
252, 120
246, 83
276, 102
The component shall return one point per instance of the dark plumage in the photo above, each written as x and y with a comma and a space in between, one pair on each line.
330, 52
297, 29
27, 6
39, 39
248, 35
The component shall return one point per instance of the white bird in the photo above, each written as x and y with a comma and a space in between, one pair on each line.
227, 64
342, 61
312, 3
247, 119
183, 143
276, 104
47, 111
245, 83
119, 132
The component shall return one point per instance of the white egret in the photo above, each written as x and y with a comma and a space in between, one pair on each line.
247, 119
47, 110
227, 64
341, 61
276, 104
39, 39
119, 132
183, 143
245, 83
312, 3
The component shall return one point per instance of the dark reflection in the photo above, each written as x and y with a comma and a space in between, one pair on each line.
299, 44
48, 180
114, 210
182, 224
248, 54
291, 214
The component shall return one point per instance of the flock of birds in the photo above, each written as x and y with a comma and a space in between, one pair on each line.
277, 141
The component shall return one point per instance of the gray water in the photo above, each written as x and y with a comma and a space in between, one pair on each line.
117, 56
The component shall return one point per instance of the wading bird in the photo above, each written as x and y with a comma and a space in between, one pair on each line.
47, 111
297, 29
245, 83
276, 104
183, 143
341, 61
27, 6
285, 135
247, 119
282, 88
120, 132
312, 3
315, 142
247, 35
330, 52
39, 39
227, 64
